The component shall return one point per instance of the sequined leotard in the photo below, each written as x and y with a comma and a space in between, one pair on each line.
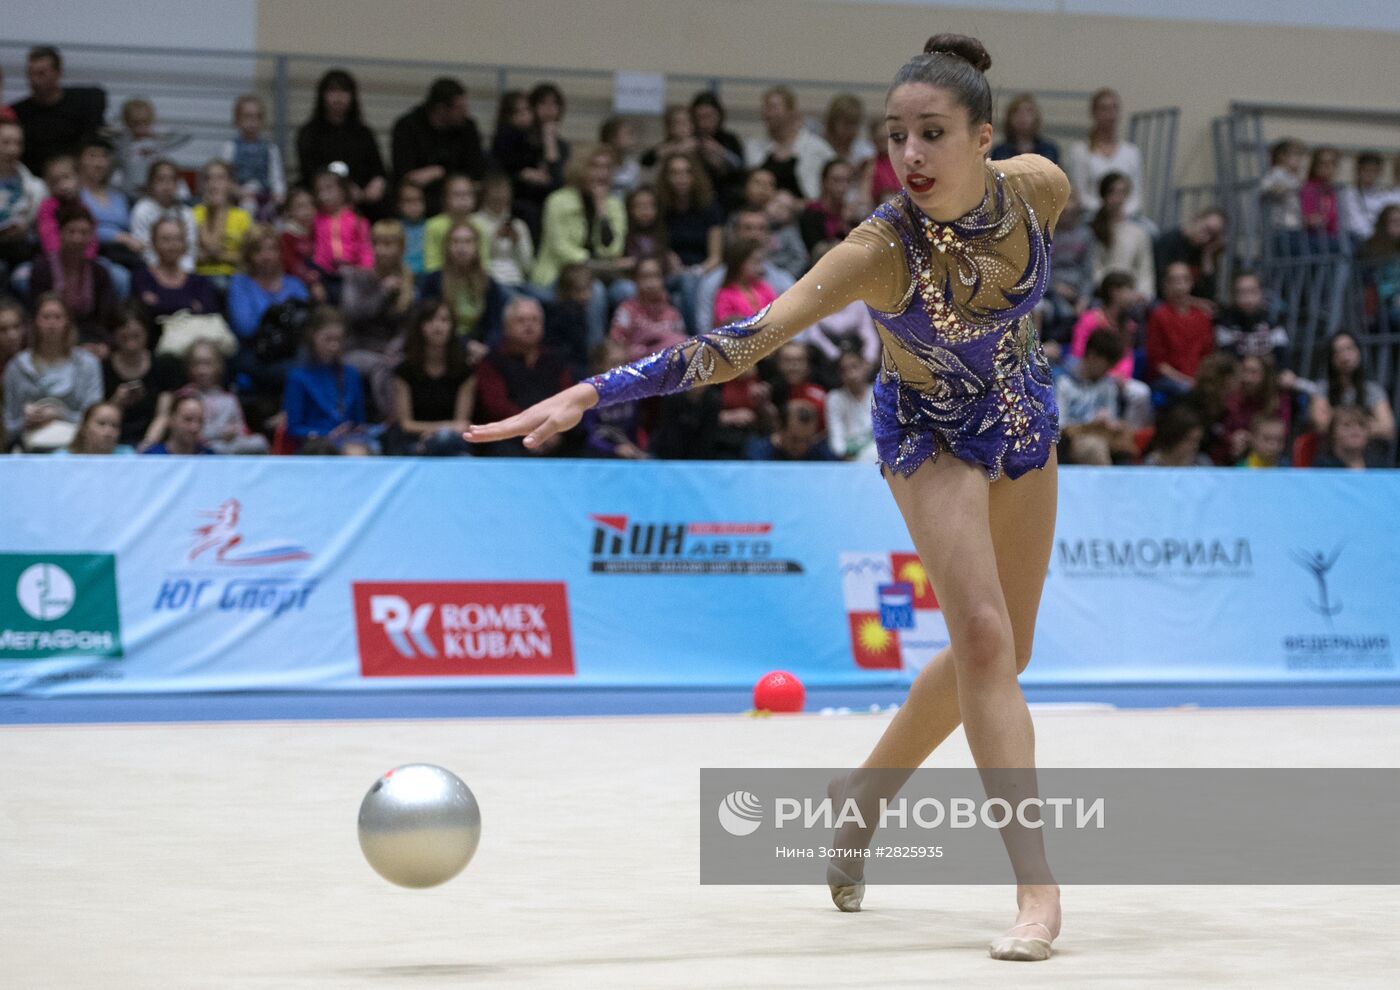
962, 369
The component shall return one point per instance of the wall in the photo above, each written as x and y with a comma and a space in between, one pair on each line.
1153, 62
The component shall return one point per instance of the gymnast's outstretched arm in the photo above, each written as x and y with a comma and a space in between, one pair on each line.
868, 265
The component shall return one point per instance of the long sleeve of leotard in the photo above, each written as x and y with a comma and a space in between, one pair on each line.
868, 265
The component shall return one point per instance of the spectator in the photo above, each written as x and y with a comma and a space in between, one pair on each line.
785, 242
584, 223
568, 328
20, 196
1021, 132
883, 181
61, 177
847, 330
298, 241
619, 136
99, 432
792, 153
517, 373
1318, 198
688, 427
55, 118
459, 202
744, 292
12, 327
1257, 392
1118, 298
433, 386
1089, 400
615, 430
826, 220
374, 304
1346, 384
509, 246
107, 204
50, 384
647, 322
546, 134
162, 202
646, 233
225, 431
138, 146
746, 224
221, 226
1199, 243
342, 235
1348, 441
83, 284
7, 113
845, 120
1091, 161
1361, 202
261, 284
1267, 444
133, 379
799, 438
1071, 279
694, 221
184, 427
1176, 441
477, 301
324, 396
523, 158
1379, 266
1119, 243
721, 151
850, 425
1217, 379
337, 133
412, 217
1244, 328
1279, 189
166, 287
436, 139
256, 160
794, 381
678, 138
1179, 334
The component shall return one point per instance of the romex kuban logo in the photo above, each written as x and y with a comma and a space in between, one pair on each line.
620, 545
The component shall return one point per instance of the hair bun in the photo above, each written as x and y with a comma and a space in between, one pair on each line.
962, 46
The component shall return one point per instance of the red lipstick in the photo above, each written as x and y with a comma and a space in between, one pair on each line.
919, 183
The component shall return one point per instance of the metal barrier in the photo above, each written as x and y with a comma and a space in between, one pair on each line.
1154, 132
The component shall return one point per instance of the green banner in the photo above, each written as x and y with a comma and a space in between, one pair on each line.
58, 605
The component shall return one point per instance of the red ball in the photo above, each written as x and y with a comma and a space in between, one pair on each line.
778, 691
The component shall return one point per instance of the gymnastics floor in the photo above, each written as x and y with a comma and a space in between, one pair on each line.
193, 854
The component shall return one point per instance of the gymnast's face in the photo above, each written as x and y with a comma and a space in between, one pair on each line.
936, 151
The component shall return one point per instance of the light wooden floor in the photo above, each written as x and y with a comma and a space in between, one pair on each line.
224, 855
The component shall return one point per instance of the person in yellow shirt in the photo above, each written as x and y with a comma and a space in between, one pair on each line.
219, 224
458, 206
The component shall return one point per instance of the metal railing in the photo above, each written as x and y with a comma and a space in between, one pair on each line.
1154, 133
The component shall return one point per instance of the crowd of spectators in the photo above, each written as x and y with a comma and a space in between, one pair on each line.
347, 304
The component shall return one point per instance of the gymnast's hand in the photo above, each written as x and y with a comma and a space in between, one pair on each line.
557, 414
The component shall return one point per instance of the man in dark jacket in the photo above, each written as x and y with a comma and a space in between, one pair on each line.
435, 139
55, 119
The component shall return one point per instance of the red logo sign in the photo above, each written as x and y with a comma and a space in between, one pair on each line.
462, 629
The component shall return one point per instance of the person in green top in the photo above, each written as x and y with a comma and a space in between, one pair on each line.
458, 203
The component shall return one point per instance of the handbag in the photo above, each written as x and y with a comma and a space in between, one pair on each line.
280, 332
53, 435
180, 330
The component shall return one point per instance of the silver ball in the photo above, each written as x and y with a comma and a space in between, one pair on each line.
419, 825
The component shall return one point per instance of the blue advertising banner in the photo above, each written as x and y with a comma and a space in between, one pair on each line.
220, 574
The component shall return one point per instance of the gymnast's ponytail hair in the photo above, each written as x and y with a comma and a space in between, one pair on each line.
956, 63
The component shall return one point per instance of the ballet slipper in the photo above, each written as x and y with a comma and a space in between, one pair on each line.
846, 893
1021, 949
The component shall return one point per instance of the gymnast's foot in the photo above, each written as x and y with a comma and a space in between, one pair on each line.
1037, 925
845, 875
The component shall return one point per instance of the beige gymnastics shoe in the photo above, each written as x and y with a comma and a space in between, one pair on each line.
1010, 947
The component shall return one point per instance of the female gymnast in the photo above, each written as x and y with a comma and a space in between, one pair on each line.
951, 268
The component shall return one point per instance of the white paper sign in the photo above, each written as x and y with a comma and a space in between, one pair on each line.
639, 92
